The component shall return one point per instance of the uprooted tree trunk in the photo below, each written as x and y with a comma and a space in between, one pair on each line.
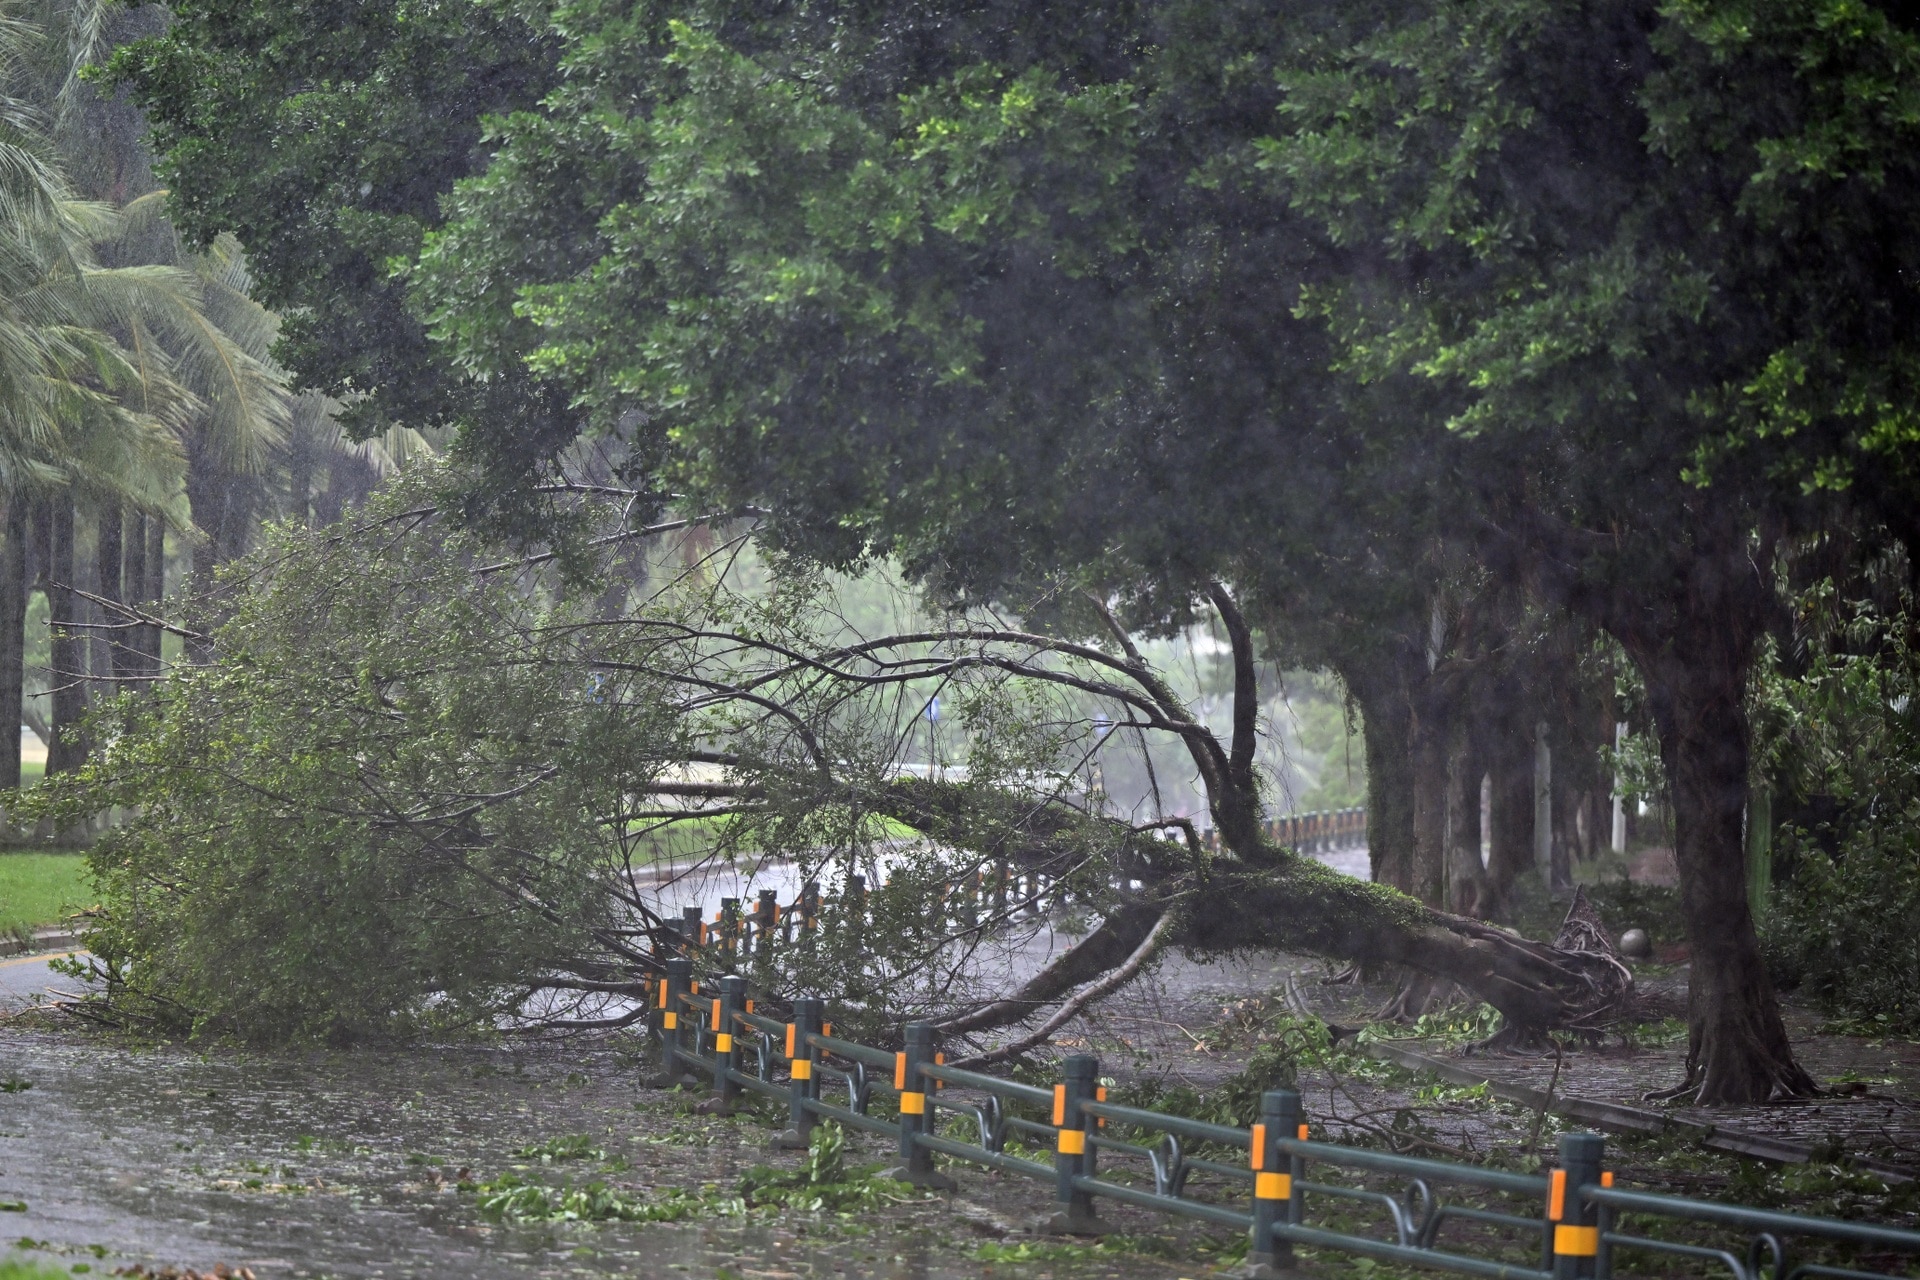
1276, 900
1257, 897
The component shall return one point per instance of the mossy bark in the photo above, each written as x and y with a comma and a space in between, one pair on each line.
1272, 901
1305, 907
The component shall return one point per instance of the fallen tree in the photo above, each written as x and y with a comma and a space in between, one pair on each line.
416, 787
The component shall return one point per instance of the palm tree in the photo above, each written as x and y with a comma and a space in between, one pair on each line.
77, 409
182, 356
110, 377
174, 415
213, 340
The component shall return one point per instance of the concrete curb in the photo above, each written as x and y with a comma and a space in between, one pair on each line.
1619, 1118
42, 940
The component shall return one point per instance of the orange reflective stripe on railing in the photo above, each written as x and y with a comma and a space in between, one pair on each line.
1576, 1242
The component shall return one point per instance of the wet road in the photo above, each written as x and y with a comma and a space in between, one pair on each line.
24, 977
345, 1164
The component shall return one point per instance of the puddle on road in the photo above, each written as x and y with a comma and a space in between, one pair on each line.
342, 1165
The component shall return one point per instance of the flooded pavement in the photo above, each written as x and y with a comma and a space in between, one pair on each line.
346, 1165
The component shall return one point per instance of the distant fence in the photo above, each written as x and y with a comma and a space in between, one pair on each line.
992, 891
1322, 831
1572, 1219
742, 929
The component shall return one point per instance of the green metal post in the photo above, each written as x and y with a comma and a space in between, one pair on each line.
1073, 1153
726, 1055
804, 1086
916, 1111
679, 981
1275, 1177
1576, 1230
672, 1018
766, 917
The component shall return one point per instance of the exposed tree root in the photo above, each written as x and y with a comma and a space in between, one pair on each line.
1419, 994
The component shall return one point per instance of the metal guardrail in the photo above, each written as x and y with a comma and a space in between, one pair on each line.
1572, 1219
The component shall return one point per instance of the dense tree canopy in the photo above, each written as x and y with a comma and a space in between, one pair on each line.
327, 133
1615, 299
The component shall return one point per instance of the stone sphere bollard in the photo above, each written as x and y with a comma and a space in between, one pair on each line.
1635, 945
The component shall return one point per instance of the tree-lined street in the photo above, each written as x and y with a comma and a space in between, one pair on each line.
479, 479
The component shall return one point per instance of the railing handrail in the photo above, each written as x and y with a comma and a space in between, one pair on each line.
987, 1084
1525, 1184
1200, 1130
1578, 1206
1745, 1218
851, 1050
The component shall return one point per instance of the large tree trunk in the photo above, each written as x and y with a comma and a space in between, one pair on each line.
152, 593
1386, 725
1737, 1048
110, 638
129, 657
1250, 895
1510, 842
1275, 901
1306, 907
1431, 733
67, 663
13, 639
1468, 891
1258, 897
